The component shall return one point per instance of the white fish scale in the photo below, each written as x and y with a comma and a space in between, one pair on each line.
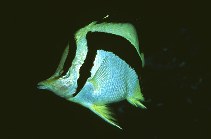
98, 61
112, 80
132, 80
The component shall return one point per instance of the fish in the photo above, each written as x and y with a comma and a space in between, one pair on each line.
112, 79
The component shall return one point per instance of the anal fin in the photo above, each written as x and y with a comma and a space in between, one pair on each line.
105, 113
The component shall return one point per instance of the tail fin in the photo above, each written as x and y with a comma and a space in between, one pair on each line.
104, 112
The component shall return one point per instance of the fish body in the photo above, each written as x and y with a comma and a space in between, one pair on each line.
111, 80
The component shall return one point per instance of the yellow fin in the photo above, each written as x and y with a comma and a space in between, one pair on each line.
136, 102
136, 98
104, 112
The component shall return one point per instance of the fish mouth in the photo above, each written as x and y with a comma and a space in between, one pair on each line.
40, 85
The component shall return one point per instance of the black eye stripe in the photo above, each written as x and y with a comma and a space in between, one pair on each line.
70, 57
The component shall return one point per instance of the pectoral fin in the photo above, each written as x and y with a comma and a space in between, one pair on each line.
104, 112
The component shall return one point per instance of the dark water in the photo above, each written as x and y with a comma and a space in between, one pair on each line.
175, 80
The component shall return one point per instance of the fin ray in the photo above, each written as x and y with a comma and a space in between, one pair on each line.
136, 102
136, 98
105, 113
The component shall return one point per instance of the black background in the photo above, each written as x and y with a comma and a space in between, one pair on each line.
175, 38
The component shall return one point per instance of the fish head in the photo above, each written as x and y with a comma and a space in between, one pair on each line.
62, 86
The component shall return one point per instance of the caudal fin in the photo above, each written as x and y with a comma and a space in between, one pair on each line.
104, 112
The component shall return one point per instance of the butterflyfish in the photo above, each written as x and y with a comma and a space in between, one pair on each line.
112, 79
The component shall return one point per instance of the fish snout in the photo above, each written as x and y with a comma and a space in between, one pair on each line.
41, 85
